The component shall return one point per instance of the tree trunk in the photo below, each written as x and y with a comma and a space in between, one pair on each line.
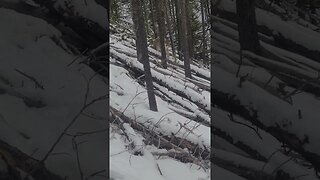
301, 5
211, 29
142, 50
162, 31
178, 27
145, 14
184, 38
154, 28
248, 34
188, 16
204, 39
169, 25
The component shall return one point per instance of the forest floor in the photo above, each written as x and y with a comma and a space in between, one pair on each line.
172, 143
47, 92
266, 114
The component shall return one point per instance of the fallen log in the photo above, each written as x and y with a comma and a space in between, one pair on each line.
30, 101
78, 31
17, 159
240, 170
279, 40
230, 103
140, 72
244, 147
161, 140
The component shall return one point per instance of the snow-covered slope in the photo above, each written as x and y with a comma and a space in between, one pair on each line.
40, 95
183, 108
266, 120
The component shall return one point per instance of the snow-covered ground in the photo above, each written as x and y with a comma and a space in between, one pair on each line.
128, 96
257, 89
40, 95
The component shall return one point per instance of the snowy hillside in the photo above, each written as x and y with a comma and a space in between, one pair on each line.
267, 118
173, 143
53, 116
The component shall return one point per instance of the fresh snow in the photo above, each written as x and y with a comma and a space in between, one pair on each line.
28, 44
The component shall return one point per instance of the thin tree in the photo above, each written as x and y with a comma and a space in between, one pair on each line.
204, 39
142, 50
184, 38
212, 12
162, 31
178, 27
152, 18
188, 17
169, 26
248, 34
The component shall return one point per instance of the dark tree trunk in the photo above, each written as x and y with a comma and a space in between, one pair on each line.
204, 39
189, 28
172, 10
178, 27
301, 5
211, 30
145, 14
142, 50
184, 38
162, 31
248, 35
169, 25
153, 22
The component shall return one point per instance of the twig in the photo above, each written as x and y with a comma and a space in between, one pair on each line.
78, 157
267, 83
95, 174
68, 126
31, 78
230, 115
240, 63
132, 100
82, 53
283, 163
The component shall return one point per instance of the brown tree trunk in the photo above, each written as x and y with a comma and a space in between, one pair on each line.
204, 39
248, 35
189, 28
152, 17
145, 14
301, 5
169, 25
184, 38
178, 27
162, 31
142, 50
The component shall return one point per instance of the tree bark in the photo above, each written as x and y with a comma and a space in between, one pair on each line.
169, 25
142, 50
248, 34
178, 28
184, 38
162, 31
204, 39
152, 17
188, 16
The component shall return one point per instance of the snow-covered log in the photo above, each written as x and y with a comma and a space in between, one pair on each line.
18, 162
80, 31
231, 103
164, 141
180, 92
